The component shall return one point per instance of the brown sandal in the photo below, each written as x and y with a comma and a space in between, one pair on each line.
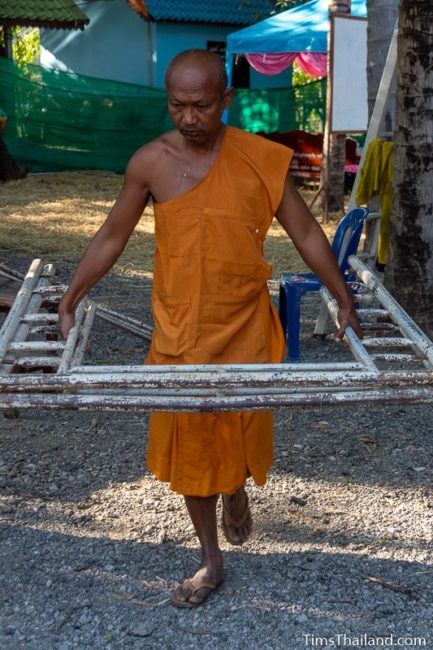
193, 590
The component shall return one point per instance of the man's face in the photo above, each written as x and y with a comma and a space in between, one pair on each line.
196, 102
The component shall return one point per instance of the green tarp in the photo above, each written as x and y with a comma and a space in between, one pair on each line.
59, 121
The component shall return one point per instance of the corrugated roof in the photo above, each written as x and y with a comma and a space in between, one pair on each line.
42, 13
230, 12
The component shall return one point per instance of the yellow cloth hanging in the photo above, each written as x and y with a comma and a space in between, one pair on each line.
376, 179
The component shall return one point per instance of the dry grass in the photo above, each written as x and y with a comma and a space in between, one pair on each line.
54, 215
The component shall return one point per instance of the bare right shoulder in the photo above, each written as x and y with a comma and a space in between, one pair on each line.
151, 160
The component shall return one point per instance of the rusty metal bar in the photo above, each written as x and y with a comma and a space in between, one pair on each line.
350, 337
408, 326
36, 346
363, 297
388, 341
40, 318
71, 341
19, 307
371, 312
208, 387
84, 333
225, 403
125, 322
283, 368
393, 356
37, 362
44, 329
143, 330
177, 378
51, 290
388, 327
34, 303
11, 274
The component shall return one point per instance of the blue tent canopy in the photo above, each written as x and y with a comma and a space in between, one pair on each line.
301, 29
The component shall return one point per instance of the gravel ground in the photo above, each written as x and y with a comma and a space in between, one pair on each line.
92, 545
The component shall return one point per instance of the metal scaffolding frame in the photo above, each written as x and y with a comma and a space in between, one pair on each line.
392, 363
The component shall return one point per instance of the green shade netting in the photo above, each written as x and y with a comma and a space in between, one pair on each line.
59, 120
280, 109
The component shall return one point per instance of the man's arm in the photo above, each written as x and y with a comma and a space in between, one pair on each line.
109, 241
314, 248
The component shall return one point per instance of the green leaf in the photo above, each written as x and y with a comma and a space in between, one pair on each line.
107, 634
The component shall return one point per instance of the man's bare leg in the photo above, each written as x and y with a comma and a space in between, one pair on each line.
202, 511
237, 521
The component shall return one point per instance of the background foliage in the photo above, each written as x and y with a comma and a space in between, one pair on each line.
26, 43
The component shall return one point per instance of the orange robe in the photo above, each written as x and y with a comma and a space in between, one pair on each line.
211, 304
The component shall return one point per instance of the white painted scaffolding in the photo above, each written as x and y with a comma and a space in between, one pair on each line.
392, 363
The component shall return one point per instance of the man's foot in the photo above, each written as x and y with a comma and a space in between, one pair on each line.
193, 592
236, 518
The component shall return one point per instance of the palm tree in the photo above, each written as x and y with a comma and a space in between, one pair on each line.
382, 15
332, 180
409, 274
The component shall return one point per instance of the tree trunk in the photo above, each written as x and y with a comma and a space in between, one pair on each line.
382, 15
409, 274
333, 180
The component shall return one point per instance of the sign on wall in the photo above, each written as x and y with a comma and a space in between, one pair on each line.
349, 106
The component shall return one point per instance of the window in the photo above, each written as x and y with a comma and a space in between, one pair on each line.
241, 67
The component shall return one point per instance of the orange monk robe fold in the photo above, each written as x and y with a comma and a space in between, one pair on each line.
210, 304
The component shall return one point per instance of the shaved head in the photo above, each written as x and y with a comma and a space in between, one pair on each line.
208, 63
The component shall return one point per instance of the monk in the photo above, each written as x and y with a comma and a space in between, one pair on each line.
215, 191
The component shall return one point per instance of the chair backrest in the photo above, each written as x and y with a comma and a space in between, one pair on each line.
348, 235
372, 229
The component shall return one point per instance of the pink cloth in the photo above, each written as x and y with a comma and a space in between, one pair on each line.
313, 63
272, 63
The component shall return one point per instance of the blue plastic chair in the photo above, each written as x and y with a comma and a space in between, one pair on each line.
293, 287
